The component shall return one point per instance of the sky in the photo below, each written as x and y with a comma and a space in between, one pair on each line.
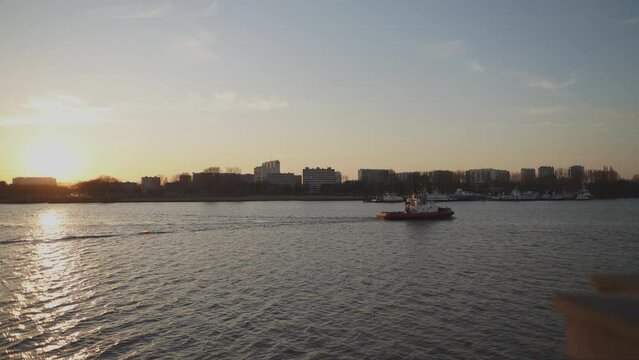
135, 88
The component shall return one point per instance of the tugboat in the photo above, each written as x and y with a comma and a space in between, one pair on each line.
418, 208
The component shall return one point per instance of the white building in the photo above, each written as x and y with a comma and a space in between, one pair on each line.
49, 181
270, 167
313, 179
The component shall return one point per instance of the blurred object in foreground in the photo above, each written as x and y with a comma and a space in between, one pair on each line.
603, 325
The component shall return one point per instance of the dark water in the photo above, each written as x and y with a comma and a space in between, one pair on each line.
299, 279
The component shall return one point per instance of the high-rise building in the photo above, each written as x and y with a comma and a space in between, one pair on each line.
269, 167
577, 174
546, 173
203, 180
487, 176
527, 175
313, 179
185, 179
32, 181
408, 176
286, 179
441, 176
149, 183
375, 176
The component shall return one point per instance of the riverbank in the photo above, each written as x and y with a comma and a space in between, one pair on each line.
82, 200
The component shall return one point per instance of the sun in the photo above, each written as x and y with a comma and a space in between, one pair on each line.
52, 159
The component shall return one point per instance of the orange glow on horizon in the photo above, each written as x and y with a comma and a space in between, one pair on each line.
52, 159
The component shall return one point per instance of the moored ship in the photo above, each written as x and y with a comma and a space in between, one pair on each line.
387, 198
437, 196
583, 194
417, 207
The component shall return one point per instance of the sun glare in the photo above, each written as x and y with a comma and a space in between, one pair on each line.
49, 159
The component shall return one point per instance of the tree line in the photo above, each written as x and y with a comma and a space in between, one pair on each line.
602, 183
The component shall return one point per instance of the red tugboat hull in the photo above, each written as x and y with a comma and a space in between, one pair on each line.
402, 215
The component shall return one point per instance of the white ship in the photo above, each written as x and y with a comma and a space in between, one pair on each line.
583, 194
392, 197
436, 196
529, 195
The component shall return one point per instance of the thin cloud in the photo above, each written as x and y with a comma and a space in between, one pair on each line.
446, 50
545, 110
198, 47
454, 51
210, 11
547, 124
547, 84
630, 22
137, 12
233, 101
476, 67
55, 109
579, 114
160, 10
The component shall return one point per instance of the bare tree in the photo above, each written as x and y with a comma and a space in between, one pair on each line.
106, 179
212, 170
561, 173
233, 170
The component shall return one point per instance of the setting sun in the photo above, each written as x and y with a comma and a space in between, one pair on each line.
52, 159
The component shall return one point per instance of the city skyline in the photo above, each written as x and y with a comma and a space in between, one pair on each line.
273, 167
161, 87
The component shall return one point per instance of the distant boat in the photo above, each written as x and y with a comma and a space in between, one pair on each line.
583, 194
392, 197
418, 207
517, 195
436, 196
508, 197
529, 195
559, 196
388, 197
462, 195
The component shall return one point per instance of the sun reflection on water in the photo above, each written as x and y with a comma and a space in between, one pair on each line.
50, 224
52, 289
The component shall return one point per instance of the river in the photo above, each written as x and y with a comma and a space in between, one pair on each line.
300, 279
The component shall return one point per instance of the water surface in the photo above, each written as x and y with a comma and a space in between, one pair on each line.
300, 279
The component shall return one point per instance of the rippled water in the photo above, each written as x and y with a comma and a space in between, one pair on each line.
299, 279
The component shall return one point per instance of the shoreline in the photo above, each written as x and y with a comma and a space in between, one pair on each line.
72, 200
260, 198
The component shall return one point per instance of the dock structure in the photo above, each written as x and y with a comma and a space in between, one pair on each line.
603, 325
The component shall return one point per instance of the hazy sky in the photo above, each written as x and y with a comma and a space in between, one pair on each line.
132, 88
